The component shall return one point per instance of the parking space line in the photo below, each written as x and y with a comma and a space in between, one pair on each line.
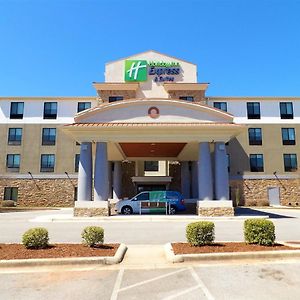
152, 279
201, 284
116, 289
183, 292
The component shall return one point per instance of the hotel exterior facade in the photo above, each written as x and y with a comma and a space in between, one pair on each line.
149, 127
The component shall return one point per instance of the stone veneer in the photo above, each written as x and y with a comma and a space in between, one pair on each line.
90, 212
254, 192
215, 211
42, 192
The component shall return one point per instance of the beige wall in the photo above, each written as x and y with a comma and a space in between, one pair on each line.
272, 149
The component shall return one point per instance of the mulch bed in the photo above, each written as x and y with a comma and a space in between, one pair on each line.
18, 251
185, 248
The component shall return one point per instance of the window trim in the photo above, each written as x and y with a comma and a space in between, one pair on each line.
13, 167
10, 189
289, 141
14, 142
283, 106
16, 115
50, 116
253, 116
255, 142
46, 168
48, 142
256, 168
289, 168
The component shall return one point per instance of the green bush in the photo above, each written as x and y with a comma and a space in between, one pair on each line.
36, 238
8, 203
259, 231
92, 235
200, 233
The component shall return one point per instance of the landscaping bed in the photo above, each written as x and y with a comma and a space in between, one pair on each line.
186, 248
18, 251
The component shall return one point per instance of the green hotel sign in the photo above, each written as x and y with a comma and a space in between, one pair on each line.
139, 70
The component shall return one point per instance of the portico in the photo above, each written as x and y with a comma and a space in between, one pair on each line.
196, 142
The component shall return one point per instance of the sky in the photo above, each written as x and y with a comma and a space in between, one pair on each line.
59, 47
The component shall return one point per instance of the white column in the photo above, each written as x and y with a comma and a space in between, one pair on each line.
195, 180
84, 192
185, 179
101, 185
221, 172
205, 186
117, 180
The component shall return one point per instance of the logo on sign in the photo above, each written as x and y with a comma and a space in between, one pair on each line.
136, 70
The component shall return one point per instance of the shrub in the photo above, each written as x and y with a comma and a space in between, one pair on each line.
36, 238
92, 235
8, 203
259, 231
200, 233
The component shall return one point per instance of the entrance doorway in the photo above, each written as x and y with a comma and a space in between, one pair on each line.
151, 187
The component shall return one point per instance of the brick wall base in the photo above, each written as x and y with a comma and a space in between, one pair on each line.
42, 192
91, 212
215, 211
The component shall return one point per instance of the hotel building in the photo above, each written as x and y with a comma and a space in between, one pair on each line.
150, 126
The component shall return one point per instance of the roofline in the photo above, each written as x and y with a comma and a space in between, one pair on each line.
113, 61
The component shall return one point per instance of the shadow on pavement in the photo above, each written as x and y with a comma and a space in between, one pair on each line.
247, 211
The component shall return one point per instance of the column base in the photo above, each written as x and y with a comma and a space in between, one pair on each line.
91, 208
215, 208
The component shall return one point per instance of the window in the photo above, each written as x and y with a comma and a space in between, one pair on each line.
47, 162
48, 136
221, 105
256, 163
83, 106
77, 157
143, 196
286, 110
290, 162
187, 98
13, 161
151, 166
253, 110
255, 137
115, 98
14, 136
288, 136
11, 193
50, 110
16, 110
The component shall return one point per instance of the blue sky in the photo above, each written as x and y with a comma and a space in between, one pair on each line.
59, 47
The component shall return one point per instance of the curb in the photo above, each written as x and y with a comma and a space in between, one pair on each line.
37, 262
176, 258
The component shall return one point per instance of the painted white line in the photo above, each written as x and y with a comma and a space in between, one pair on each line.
183, 292
201, 284
152, 279
116, 289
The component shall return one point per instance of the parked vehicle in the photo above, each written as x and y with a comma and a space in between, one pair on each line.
174, 200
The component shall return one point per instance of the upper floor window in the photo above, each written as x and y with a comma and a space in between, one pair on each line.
11, 193
47, 162
255, 136
13, 161
115, 98
253, 110
83, 106
286, 110
50, 110
288, 136
14, 136
187, 98
221, 105
48, 136
256, 162
151, 166
290, 162
16, 110
77, 158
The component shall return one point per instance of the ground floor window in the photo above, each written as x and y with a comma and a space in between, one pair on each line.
11, 193
47, 162
151, 166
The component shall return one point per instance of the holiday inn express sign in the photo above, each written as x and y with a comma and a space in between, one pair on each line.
139, 70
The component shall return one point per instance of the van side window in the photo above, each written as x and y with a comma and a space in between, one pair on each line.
143, 196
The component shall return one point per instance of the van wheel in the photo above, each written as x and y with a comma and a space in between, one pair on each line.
172, 210
126, 210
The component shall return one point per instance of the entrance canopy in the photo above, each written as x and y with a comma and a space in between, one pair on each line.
161, 128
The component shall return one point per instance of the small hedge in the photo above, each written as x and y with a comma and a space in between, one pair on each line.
200, 233
93, 235
36, 238
259, 231
8, 203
